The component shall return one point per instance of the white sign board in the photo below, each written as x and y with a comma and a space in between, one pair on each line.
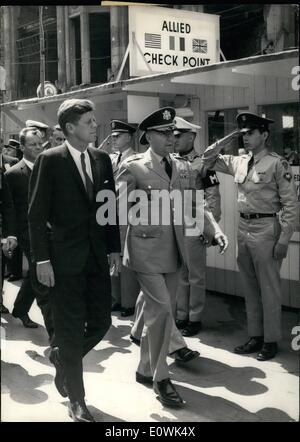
164, 39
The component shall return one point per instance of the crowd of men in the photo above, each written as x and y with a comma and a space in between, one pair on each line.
81, 269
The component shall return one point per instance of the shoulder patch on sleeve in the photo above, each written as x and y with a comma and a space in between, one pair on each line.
287, 176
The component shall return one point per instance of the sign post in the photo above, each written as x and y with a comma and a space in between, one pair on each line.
171, 39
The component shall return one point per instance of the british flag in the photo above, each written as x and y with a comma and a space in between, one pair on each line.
199, 46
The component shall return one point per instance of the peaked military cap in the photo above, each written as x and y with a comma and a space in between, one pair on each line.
161, 119
14, 144
185, 126
118, 126
248, 121
37, 124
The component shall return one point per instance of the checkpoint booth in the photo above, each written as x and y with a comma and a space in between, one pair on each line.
211, 96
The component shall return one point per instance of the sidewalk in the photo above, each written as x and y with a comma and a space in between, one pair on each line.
218, 386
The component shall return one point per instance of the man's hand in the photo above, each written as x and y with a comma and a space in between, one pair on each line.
280, 251
115, 262
9, 246
45, 274
222, 240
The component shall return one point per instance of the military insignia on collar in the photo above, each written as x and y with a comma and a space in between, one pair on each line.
287, 176
166, 115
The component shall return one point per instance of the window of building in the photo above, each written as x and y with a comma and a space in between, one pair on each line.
284, 132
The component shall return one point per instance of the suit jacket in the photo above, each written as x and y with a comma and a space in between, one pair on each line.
57, 196
156, 247
18, 180
7, 212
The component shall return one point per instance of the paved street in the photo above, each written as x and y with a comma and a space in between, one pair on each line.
219, 386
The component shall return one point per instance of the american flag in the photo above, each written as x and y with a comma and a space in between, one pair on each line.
200, 46
153, 41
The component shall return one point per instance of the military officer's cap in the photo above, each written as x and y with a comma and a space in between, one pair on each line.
118, 126
162, 119
184, 126
36, 124
247, 121
14, 144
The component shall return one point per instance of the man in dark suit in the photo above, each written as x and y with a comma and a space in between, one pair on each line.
63, 188
14, 264
7, 226
18, 180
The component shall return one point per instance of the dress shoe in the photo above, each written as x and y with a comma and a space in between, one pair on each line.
268, 351
253, 345
27, 322
192, 328
167, 394
181, 323
127, 312
13, 278
3, 309
185, 355
60, 378
135, 341
141, 379
116, 307
79, 413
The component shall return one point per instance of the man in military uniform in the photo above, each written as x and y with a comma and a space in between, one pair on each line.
192, 287
125, 287
154, 250
265, 186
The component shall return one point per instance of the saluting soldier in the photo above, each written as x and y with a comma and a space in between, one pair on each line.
125, 287
191, 290
265, 187
154, 250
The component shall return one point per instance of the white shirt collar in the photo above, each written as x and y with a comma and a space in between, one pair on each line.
159, 157
74, 152
28, 164
125, 151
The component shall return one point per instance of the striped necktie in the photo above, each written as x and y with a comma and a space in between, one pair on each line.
89, 186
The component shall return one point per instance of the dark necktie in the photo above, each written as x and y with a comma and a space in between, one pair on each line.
119, 158
168, 167
89, 186
250, 164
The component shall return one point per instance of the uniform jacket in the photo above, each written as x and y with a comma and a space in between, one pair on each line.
208, 181
8, 161
58, 196
156, 247
114, 159
267, 188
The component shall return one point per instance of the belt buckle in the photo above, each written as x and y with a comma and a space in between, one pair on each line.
246, 215
257, 215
